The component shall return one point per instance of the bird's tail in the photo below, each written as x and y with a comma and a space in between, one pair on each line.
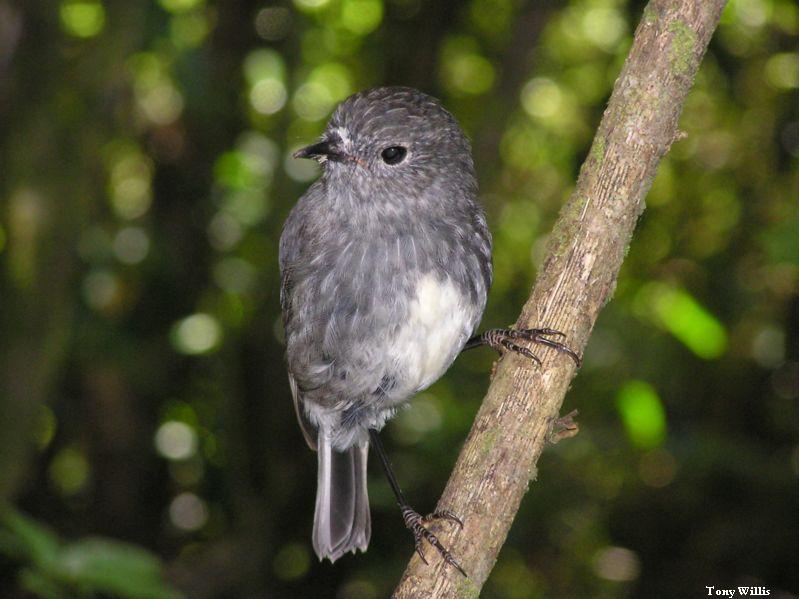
341, 520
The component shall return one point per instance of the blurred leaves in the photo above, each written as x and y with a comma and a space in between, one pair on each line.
86, 567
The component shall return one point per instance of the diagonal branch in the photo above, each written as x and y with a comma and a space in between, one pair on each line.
577, 279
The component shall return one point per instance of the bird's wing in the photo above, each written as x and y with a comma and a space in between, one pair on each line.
308, 429
292, 242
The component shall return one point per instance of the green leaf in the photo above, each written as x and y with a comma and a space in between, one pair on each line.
35, 582
120, 569
23, 538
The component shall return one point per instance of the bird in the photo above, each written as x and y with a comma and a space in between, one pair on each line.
385, 270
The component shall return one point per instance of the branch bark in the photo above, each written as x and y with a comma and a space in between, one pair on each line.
584, 255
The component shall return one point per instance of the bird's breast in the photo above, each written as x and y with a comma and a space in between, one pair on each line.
439, 320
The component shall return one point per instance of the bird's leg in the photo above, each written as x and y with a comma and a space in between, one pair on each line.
414, 521
505, 339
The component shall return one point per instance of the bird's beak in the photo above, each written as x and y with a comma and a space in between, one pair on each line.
324, 150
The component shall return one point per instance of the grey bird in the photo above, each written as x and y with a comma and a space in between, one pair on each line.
385, 269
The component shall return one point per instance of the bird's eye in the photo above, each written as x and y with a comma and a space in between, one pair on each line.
393, 155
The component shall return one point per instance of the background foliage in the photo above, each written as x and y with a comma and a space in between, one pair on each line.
147, 443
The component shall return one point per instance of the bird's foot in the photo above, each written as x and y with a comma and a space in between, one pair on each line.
416, 524
505, 339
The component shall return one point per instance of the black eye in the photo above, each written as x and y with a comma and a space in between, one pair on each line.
394, 155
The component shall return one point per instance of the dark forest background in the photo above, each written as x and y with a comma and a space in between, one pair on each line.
147, 441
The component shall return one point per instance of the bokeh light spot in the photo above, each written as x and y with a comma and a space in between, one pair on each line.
768, 346
131, 245
273, 23
130, 183
189, 30
751, 13
680, 314
469, 74
642, 414
311, 5
782, 70
248, 206
176, 440
357, 589
263, 64
162, 104
69, 471
463, 69
82, 18
657, 468
312, 101
413, 424
224, 231
268, 96
492, 16
617, 564
179, 6
101, 289
541, 97
197, 334
361, 16
234, 275
188, 512
327, 84
231, 170
604, 27
292, 562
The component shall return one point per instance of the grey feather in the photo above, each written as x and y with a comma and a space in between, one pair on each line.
341, 520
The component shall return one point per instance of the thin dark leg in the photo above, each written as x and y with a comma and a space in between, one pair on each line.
412, 519
504, 339
476, 341
374, 437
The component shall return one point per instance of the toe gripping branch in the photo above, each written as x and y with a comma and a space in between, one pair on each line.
415, 522
506, 339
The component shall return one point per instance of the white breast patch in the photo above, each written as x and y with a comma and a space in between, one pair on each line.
438, 325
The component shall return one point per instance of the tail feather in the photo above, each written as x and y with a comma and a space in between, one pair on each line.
341, 521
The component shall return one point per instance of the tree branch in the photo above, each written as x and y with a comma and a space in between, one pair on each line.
577, 279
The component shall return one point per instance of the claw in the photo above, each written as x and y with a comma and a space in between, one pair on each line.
443, 515
507, 344
552, 332
451, 561
415, 523
559, 347
420, 552
502, 338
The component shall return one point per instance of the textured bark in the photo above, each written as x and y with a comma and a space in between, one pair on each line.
585, 252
